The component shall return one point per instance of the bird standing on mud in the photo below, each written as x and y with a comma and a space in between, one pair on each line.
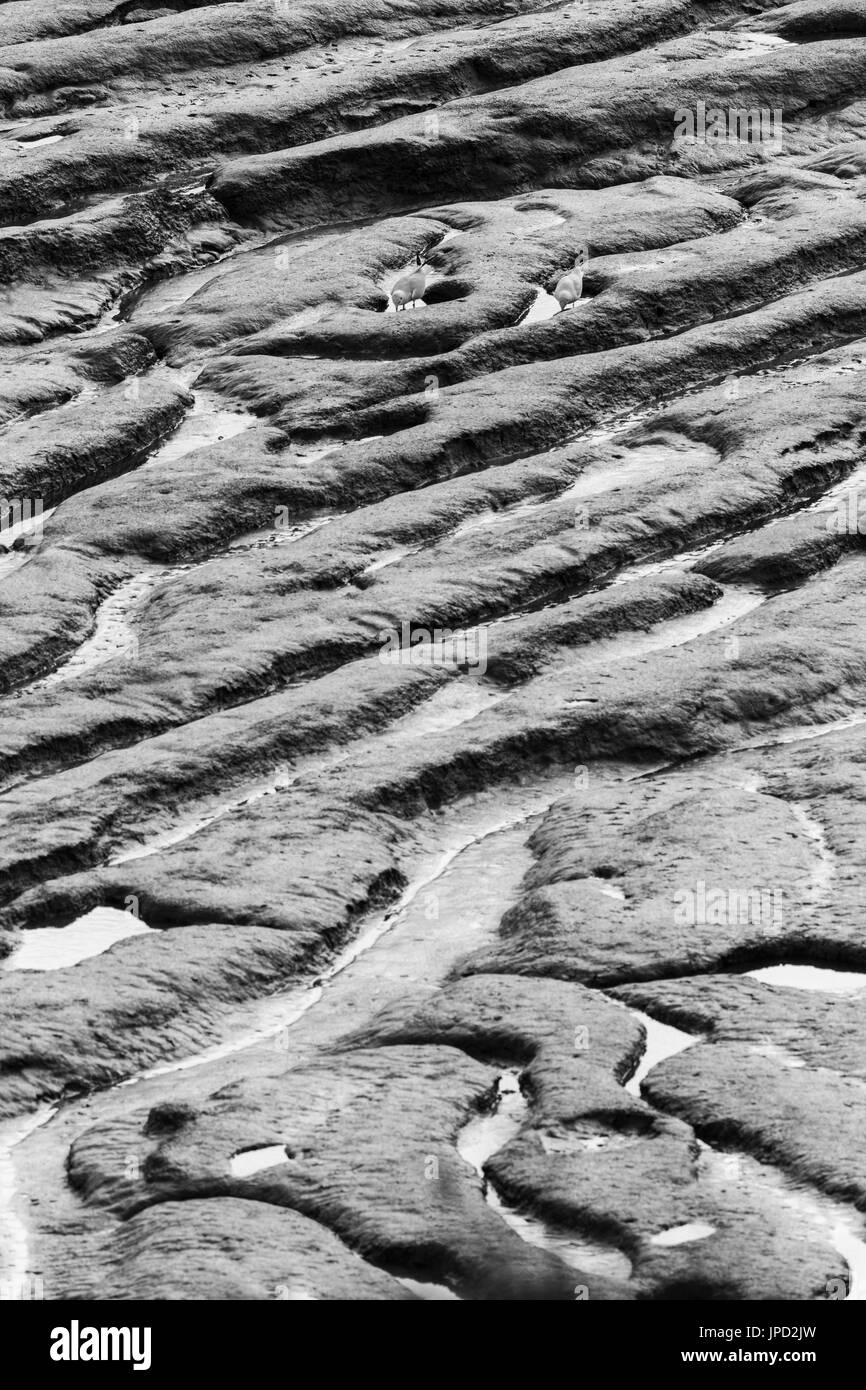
410, 287
570, 287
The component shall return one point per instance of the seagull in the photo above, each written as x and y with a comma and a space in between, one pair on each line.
410, 287
570, 287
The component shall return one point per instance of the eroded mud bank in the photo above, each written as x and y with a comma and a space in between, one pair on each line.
432, 740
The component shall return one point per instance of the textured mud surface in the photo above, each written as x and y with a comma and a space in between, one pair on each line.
433, 724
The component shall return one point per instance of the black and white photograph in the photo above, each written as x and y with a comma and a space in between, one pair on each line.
432, 668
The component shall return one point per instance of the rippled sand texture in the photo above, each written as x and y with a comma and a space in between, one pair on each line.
433, 757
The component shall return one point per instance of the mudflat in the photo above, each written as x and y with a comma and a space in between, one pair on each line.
432, 658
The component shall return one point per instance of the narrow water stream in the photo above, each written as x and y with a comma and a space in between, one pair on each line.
468, 870
207, 423
15, 1265
802, 733
823, 864
268, 537
467, 647
842, 1224
482, 1137
662, 1041
449, 707
113, 636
